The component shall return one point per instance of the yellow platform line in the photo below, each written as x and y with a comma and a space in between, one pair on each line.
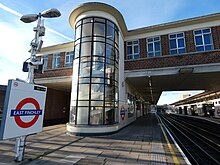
175, 160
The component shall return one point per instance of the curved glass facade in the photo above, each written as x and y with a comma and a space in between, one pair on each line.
94, 98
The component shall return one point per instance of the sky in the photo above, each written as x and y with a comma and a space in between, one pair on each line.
16, 35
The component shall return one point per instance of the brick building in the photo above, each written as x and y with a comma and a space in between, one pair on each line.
109, 75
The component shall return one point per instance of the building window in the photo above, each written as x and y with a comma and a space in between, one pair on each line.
56, 61
177, 43
45, 60
94, 97
153, 47
133, 49
69, 59
203, 40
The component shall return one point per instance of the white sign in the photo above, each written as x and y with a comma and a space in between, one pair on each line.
23, 109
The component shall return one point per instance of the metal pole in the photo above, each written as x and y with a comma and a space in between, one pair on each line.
20, 141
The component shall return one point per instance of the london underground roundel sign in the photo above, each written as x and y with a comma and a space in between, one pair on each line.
19, 112
23, 109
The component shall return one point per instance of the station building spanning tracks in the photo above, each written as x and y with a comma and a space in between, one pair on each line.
199, 139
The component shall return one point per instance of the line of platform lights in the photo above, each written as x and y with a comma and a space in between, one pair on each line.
35, 65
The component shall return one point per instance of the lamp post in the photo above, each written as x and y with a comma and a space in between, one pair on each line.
36, 44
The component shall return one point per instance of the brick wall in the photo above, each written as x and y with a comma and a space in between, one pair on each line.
55, 73
189, 40
165, 45
142, 47
216, 36
171, 61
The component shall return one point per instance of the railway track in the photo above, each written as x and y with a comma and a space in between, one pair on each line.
200, 141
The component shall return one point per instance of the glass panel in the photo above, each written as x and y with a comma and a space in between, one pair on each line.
96, 116
200, 48
99, 20
182, 51
83, 103
97, 103
78, 32
97, 92
85, 69
102, 39
199, 40
110, 32
136, 49
135, 42
150, 39
87, 29
98, 80
208, 47
150, 47
157, 54
206, 31
98, 48
156, 38
109, 51
173, 44
207, 39
86, 49
136, 56
181, 43
109, 115
99, 29
151, 54
180, 35
173, 52
129, 49
198, 32
116, 37
86, 39
83, 92
84, 80
86, 20
173, 36
98, 59
82, 115
157, 46
85, 59
98, 69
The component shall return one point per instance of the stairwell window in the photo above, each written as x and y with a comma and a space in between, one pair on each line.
45, 59
177, 43
203, 40
153, 47
56, 61
133, 50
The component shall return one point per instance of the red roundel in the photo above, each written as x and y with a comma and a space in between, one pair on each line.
18, 119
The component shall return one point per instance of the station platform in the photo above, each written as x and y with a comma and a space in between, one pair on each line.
142, 142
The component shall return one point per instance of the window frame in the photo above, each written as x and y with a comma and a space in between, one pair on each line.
177, 44
55, 63
153, 42
203, 40
133, 55
69, 54
45, 61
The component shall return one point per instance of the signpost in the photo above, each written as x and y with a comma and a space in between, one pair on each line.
23, 110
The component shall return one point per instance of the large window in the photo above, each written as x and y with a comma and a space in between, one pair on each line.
56, 61
69, 59
94, 99
133, 49
177, 43
203, 40
153, 47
